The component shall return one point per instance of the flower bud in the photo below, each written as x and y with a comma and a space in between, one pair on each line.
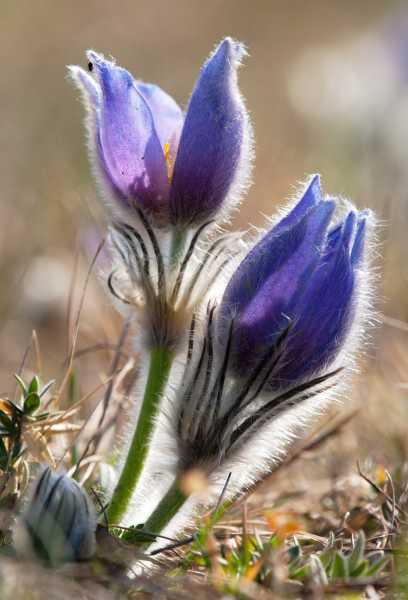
300, 277
143, 154
58, 523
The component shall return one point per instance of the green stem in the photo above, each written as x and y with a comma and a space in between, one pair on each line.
168, 506
160, 363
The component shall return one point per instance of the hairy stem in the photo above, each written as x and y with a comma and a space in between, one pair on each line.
160, 363
168, 506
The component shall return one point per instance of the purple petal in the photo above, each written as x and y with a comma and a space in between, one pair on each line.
263, 291
212, 139
167, 115
349, 229
343, 231
311, 196
322, 321
358, 245
130, 148
88, 84
127, 146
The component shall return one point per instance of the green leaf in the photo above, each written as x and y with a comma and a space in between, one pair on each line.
339, 567
21, 383
317, 570
326, 558
360, 570
378, 566
3, 455
72, 388
6, 421
357, 553
31, 403
300, 573
34, 385
17, 448
3, 449
273, 542
136, 535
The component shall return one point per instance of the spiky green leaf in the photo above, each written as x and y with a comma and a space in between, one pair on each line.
339, 568
31, 403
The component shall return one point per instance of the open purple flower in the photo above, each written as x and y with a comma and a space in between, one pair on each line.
297, 284
149, 156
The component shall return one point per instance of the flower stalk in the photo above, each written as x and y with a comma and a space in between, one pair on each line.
167, 508
160, 364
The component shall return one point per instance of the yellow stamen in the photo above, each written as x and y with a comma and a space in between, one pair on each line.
169, 160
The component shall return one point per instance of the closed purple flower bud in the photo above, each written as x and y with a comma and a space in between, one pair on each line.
144, 154
300, 278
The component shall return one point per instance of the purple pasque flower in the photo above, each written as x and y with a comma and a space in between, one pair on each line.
297, 284
178, 169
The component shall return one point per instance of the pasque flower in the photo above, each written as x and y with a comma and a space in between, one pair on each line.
273, 338
273, 345
180, 169
300, 277
285, 316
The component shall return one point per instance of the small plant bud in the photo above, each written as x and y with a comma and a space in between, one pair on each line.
58, 523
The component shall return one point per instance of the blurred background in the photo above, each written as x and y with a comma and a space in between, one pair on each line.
327, 87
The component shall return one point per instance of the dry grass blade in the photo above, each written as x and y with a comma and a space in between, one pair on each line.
114, 369
78, 317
